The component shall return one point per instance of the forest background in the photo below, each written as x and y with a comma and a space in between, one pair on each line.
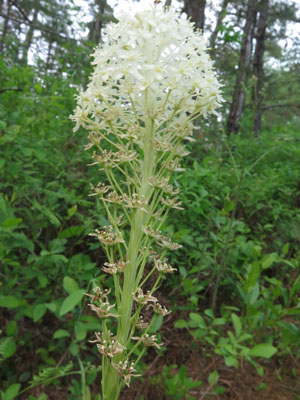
234, 331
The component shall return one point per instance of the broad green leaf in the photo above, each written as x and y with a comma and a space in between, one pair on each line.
72, 211
42, 280
11, 222
237, 324
75, 230
157, 323
10, 302
74, 348
80, 331
38, 88
38, 311
268, 260
70, 285
7, 347
71, 301
231, 361
60, 333
252, 277
198, 320
181, 324
51, 306
213, 378
11, 328
12, 391
265, 350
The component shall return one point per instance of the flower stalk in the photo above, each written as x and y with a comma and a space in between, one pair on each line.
152, 77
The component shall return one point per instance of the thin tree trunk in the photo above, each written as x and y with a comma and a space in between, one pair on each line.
221, 16
243, 71
96, 25
195, 9
258, 63
48, 64
29, 36
5, 27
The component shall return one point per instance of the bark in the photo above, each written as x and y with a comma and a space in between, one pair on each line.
258, 63
195, 10
29, 36
48, 61
97, 24
5, 27
221, 16
243, 71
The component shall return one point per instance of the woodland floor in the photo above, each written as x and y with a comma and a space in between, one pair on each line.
241, 384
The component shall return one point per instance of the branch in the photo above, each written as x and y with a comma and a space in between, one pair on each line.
40, 28
8, 89
20, 10
270, 106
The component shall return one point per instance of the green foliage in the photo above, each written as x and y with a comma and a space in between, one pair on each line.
240, 228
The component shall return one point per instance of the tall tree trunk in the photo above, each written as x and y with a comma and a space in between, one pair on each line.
29, 36
5, 27
97, 24
195, 10
48, 60
258, 62
243, 71
221, 16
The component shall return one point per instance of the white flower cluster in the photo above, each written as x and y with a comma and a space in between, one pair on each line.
153, 59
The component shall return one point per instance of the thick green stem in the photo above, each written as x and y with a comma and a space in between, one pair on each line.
111, 383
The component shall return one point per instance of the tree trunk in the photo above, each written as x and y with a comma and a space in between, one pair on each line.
258, 63
29, 36
243, 71
195, 10
5, 27
97, 24
221, 16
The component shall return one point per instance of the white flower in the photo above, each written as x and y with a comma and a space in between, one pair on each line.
159, 65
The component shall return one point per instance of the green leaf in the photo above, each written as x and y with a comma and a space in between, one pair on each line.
70, 285
7, 347
11, 222
157, 323
237, 324
60, 333
74, 348
38, 88
181, 324
75, 230
265, 350
42, 280
213, 378
51, 306
197, 319
252, 277
38, 311
71, 301
11, 328
80, 331
231, 361
72, 211
12, 391
10, 302
268, 260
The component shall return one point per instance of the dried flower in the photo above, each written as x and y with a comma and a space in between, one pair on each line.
125, 370
108, 238
115, 268
142, 298
165, 268
148, 340
110, 347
